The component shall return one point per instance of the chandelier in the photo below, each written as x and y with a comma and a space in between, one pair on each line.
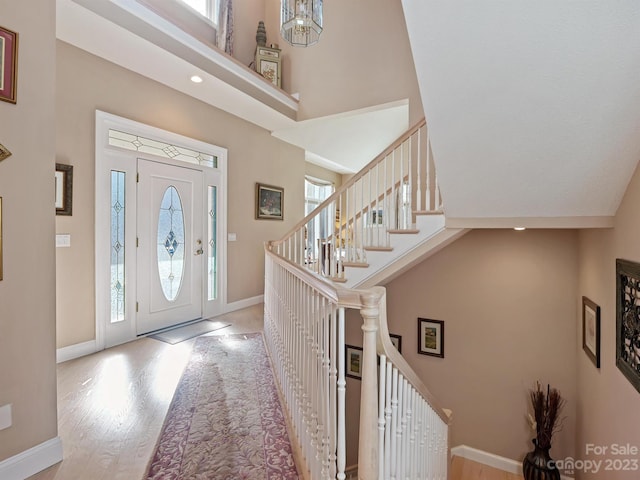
301, 22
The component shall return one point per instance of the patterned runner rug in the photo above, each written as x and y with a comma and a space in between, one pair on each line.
225, 421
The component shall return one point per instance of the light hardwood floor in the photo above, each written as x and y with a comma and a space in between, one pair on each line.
111, 405
463, 469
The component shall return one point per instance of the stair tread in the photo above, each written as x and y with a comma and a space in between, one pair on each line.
428, 212
355, 264
338, 279
379, 249
404, 230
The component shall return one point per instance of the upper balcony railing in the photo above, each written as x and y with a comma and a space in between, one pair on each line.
383, 198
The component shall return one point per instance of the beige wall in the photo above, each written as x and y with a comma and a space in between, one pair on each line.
508, 300
246, 15
27, 292
87, 83
363, 59
607, 409
323, 174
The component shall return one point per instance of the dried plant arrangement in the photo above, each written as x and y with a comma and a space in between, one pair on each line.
547, 407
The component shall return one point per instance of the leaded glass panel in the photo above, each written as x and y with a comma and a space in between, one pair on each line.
212, 246
117, 246
171, 243
138, 143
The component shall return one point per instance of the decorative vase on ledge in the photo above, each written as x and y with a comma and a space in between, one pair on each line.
537, 465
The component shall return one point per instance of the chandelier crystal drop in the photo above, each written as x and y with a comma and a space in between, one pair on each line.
301, 22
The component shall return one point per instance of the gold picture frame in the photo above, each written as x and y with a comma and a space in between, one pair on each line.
8, 64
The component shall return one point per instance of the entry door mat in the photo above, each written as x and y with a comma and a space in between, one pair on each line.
181, 334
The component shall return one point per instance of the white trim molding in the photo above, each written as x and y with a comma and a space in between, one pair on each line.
244, 303
32, 461
75, 351
491, 460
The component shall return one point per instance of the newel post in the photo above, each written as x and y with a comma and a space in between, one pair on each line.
368, 443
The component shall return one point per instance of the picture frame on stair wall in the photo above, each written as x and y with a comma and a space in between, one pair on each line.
353, 357
627, 320
591, 330
431, 337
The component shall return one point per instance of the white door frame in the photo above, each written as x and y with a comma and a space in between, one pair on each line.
109, 158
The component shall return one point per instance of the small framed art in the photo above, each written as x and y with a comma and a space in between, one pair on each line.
397, 342
269, 64
591, 330
64, 189
431, 337
8, 64
353, 361
269, 202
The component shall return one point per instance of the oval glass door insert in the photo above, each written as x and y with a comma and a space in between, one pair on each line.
171, 243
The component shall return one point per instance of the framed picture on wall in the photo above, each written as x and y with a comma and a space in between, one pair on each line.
431, 337
397, 341
64, 188
8, 64
353, 356
269, 64
628, 320
269, 202
591, 330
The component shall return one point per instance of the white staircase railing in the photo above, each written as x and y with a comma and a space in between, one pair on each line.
403, 432
382, 199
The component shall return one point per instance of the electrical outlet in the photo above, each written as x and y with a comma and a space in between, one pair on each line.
5, 416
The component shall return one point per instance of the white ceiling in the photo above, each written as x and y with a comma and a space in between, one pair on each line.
533, 107
128, 34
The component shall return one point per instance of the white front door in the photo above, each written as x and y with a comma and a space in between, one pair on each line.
170, 258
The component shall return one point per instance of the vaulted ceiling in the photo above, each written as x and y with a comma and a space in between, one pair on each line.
133, 36
533, 107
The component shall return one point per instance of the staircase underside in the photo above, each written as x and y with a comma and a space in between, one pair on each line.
408, 249
532, 108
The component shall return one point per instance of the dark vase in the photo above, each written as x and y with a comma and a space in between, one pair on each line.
537, 465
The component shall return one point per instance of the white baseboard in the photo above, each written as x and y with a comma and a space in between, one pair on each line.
75, 351
495, 461
86, 348
244, 303
32, 461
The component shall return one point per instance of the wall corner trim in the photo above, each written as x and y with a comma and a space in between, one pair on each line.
32, 461
491, 460
75, 351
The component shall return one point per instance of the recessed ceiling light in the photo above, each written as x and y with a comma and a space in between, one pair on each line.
196, 79
519, 228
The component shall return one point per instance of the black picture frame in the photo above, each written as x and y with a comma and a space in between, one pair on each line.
64, 189
353, 361
397, 341
628, 320
431, 337
591, 330
269, 202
